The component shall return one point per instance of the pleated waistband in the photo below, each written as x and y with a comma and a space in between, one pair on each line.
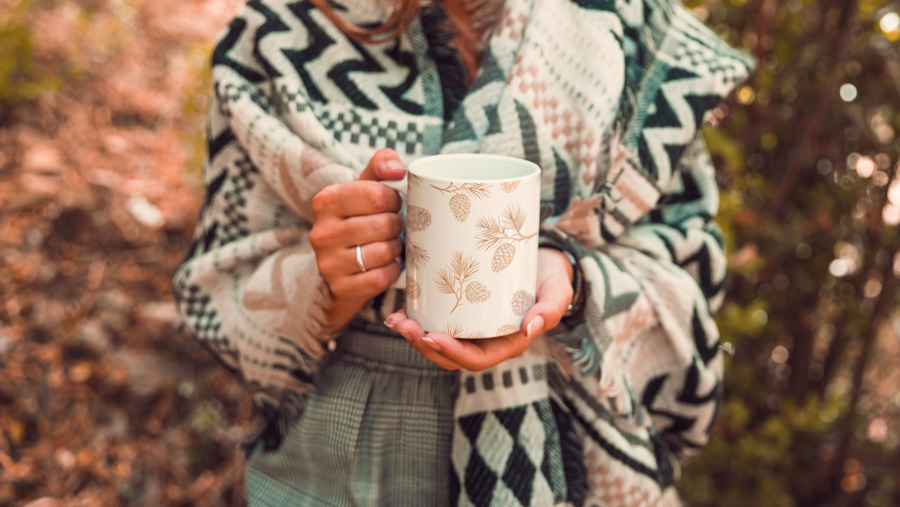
384, 351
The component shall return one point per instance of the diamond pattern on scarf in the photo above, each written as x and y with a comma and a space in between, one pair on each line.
520, 469
507, 462
479, 478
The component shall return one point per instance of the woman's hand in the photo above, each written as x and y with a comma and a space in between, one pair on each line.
554, 294
362, 213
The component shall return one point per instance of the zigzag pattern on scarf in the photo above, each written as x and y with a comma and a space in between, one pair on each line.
675, 401
690, 76
682, 226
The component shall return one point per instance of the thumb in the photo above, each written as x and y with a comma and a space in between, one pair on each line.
385, 164
553, 297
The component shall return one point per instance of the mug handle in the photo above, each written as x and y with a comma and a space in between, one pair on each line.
401, 187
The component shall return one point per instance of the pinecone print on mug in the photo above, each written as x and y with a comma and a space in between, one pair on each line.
455, 280
522, 300
417, 218
500, 233
506, 329
503, 257
460, 204
477, 292
509, 186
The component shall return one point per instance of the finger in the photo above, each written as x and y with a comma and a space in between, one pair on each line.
358, 230
413, 332
477, 355
375, 255
366, 285
355, 199
395, 318
385, 164
554, 294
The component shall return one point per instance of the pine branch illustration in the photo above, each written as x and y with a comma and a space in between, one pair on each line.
471, 268
416, 255
478, 190
514, 218
492, 231
458, 301
489, 234
461, 269
442, 190
445, 282
454, 329
457, 262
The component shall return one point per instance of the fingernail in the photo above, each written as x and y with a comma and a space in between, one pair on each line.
392, 165
535, 327
431, 343
388, 324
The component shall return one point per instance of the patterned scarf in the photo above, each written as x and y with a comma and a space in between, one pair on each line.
606, 97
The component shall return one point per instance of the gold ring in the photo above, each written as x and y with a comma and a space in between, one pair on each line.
359, 259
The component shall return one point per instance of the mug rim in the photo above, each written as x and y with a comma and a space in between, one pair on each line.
412, 167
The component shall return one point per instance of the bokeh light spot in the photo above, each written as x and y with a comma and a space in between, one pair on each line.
872, 288
760, 317
891, 214
746, 95
877, 431
865, 167
890, 23
848, 92
780, 354
839, 268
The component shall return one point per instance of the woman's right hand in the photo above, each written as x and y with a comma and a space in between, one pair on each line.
365, 213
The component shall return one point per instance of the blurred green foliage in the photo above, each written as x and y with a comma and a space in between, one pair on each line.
21, 78
807, 157
195, 104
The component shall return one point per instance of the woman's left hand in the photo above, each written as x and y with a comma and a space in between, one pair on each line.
554, 294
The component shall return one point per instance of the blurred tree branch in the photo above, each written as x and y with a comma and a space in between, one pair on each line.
801, 151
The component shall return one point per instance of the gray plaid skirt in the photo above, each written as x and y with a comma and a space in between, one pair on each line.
375, 432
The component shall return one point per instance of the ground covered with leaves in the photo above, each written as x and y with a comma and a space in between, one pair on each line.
104, 401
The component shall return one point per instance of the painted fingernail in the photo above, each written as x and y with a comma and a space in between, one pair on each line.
431, 343
535, 327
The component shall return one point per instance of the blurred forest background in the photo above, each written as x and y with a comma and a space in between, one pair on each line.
104, 401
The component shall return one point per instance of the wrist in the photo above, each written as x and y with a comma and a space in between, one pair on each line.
576, 277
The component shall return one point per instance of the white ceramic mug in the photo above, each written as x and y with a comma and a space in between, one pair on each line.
471, 243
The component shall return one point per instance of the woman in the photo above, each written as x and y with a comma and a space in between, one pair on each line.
614, 376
